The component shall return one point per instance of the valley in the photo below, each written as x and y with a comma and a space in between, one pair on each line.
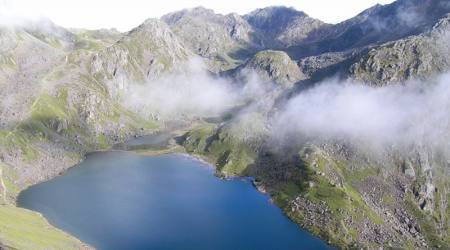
345, 126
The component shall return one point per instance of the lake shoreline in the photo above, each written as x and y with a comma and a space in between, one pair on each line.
172, 147
194, 160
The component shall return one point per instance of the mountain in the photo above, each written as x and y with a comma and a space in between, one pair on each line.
272, 66
379, 24
143, 53
284, 26
222, 39
62, 96
227, 38
415, 56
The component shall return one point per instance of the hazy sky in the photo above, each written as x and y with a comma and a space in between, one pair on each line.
126, 14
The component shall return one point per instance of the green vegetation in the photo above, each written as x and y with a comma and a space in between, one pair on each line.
18, 140
289, 179
341, 200
231, 155
23, 229
49, 107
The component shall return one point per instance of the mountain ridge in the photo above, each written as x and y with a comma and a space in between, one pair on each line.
59, 102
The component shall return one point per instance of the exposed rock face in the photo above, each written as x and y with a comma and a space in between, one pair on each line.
143, 53
379, 24
329, 64
22, 75
53, 109
226, 38
284, 26
217, 37
274, 66
414, 56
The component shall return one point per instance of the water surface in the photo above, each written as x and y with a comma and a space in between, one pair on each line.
120, 200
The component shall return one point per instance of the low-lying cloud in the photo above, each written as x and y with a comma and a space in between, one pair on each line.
188, 92
191, 92
417, 113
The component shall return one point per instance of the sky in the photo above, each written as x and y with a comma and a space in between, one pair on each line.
127, 14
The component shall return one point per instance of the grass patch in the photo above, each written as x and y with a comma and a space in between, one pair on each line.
232, 156
23, 229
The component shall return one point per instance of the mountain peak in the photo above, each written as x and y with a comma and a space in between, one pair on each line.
151, 25
287, 25
196, 11
199, 11
276, 10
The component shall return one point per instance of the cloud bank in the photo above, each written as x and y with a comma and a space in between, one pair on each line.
416, 113
191, 92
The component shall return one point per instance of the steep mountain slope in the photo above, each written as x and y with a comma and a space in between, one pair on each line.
68, 107
282, 27
271, 66
21, 74
226, 38
143, 53
222, 39
376, 25
415, 56
58, 102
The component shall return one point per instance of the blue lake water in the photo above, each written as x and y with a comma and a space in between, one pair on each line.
120, 200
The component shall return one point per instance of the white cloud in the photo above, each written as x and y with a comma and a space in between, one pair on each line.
416, 113
192, 92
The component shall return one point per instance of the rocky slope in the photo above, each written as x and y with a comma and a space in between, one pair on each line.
142, 54
271, 67
221, 39
59, 100
283, 27
351, 198
379, 24
227, 40
415, 56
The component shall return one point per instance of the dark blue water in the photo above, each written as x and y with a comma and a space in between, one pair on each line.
120, 200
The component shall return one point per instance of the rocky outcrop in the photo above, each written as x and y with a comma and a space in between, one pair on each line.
226, 40
415, 56
283, 27
142, 54
215, 34
376, 25
273, 66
